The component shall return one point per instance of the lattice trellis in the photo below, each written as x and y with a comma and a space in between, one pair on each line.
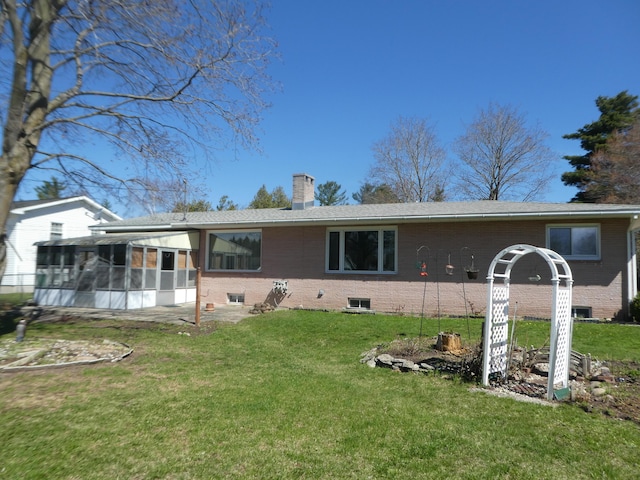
499, 333
561, 338
495, 348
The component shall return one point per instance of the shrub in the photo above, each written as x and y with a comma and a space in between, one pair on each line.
634, 308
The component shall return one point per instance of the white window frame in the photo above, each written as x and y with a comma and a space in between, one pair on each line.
341, 254
235, 298
571, 256
358, 303
208, 251
56, 232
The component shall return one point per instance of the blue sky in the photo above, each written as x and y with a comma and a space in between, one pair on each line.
349, 68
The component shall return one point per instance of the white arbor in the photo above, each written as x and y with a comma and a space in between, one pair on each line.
496, 325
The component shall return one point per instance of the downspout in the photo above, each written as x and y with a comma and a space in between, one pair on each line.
127, 276
632, 265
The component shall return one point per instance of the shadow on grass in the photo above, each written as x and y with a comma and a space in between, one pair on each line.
10, 310
9, 320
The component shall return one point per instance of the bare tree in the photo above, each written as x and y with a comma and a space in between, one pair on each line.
162, 195
410, 161
502, 158
157, 82
616, 168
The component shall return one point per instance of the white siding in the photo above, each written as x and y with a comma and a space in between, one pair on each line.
34, 225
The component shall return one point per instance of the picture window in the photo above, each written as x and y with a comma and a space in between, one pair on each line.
363, 250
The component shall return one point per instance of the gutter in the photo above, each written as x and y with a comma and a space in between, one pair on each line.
390, 220
471, 217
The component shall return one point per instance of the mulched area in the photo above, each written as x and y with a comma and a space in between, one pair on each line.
621, 401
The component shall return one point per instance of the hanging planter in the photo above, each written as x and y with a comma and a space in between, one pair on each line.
472, 274
472, 271
448, 268
423, 269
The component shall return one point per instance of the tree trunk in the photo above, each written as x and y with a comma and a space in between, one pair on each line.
27, 104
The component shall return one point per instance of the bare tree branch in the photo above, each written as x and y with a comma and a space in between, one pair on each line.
410, 161
501, 158
615, 169
160, 82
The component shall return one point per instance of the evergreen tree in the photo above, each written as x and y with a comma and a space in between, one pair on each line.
50, 190
280, 199
276, 199
616, 114
226, 204
370, 193
106, 203
193, 206
616, 169
329, 194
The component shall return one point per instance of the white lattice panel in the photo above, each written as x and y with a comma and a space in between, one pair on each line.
499, 332
563, 336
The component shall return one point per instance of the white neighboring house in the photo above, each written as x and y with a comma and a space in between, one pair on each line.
39, 220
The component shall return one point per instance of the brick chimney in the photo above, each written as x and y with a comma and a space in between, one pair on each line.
303, 191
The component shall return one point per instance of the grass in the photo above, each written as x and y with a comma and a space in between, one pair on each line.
283, 395
15, 298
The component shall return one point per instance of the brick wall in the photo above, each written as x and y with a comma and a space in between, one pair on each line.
297, 254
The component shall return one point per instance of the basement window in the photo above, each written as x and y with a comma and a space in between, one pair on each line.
235, 298
581, 312
360, 303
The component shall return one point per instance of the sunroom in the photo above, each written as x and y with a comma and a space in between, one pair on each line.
118, 271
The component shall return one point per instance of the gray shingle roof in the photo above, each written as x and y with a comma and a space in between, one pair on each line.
373, 213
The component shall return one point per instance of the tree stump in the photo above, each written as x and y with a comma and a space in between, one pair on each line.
448, 342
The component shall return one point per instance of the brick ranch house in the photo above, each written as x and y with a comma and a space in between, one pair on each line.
404, 258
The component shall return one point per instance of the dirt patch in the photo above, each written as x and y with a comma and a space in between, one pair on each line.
618, 395
47, 353
622, 398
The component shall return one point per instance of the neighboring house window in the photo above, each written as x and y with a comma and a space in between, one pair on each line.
238, 250
56, 231
575, 242
365, 250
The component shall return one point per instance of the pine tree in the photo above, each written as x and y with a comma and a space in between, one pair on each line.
50, 189
329, 194
276, 199
616, 114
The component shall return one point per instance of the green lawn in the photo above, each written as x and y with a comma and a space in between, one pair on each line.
284, 395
